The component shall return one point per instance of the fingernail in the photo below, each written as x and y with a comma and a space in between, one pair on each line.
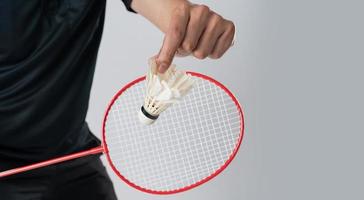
182, 54
162, 67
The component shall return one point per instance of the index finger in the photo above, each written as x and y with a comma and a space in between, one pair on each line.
173, 38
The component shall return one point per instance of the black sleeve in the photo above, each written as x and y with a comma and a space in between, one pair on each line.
128, 5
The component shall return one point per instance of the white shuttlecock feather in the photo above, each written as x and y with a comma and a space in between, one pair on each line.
163, 90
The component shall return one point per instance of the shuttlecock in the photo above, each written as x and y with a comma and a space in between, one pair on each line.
162, 91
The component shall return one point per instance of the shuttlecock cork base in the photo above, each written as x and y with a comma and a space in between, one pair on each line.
145, 117
162, 91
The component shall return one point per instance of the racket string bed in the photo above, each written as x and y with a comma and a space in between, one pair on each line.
188, 143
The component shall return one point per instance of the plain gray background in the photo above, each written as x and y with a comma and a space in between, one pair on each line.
297, 70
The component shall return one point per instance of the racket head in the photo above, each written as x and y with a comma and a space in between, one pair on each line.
111, 151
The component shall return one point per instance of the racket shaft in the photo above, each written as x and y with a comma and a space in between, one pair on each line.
18, 170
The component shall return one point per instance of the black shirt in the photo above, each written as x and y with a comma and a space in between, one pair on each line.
48, 50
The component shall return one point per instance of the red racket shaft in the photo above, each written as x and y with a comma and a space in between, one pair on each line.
92, 151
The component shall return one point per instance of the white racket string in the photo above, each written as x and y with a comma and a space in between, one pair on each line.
189, 142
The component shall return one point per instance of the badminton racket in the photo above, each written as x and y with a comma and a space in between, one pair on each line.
189, 144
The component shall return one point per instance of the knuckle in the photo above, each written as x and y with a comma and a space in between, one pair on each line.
202, 9
216, 20
182, 8
230, 27
210, 30
177, 32
181, 11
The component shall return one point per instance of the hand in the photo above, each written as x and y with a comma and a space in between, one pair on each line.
195, 30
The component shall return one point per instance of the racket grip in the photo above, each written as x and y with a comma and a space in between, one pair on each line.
18, 170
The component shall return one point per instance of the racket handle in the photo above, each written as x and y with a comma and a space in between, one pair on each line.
92, 151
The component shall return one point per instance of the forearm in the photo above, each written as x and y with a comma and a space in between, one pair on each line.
159, 12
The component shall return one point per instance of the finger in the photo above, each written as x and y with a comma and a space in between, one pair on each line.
209, 37
196, 25
224, 42
182, 53
173, 38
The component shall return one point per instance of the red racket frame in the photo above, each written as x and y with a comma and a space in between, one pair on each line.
104, 149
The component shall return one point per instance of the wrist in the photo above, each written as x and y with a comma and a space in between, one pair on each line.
159, 12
